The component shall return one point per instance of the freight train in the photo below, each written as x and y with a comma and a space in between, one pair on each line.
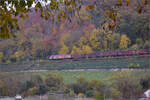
98, 55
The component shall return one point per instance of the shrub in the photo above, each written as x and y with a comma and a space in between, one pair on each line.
75, 87
36, 79
95, 85
131, 65
145, 82
82, 84
115, 93
90, 93
41, 61
26, 85
41, 90
81, 95
71, 93
99, 96
8, 62
80, 87
54, 82
127, 84
9, 86
32, 91
137, 65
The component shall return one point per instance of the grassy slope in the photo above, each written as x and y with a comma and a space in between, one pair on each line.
82, 63
71, 77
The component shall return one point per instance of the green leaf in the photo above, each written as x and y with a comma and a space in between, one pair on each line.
38, 5
29, 3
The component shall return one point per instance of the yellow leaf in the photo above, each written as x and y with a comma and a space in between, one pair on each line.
89, 7
127, 2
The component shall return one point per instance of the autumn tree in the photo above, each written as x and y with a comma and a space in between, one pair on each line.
124, 42
1, 57
64, 49
3, 91
127, 81
11, 10
18, 55
115, 41
76, 50
94, 40
86, 49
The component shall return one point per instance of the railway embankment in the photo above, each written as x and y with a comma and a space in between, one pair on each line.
94, 64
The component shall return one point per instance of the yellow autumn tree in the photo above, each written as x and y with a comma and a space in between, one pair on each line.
94, 40
83, 14
82, 41
1, 57
64, 49
86, 49
76, 50
18, 55
124, 42
105, 36
3, 91
115, 40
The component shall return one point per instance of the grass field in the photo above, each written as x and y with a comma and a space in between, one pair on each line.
78, 64
72, 76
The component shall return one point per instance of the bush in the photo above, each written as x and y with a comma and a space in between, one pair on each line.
90, 93
82, 84
8, 62
145, 82
54, 82
75, 87
36, 80
127, 84
26, 85
41, 90
80, 95
137, 65
99, 96
32, 91
80, 87
41, 61
131, 65
95, 85
9, 86
115, 93
71, 93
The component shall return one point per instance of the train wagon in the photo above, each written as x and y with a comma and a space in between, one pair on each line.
142, 52
104, 54
55, 57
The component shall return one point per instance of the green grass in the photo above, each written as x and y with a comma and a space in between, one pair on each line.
72, 76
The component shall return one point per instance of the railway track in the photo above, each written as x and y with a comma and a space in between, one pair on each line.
89, 69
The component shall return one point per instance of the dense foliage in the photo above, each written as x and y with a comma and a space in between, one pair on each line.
92, 28
62, 9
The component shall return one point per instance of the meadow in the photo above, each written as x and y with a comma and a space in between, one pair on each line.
72, 76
